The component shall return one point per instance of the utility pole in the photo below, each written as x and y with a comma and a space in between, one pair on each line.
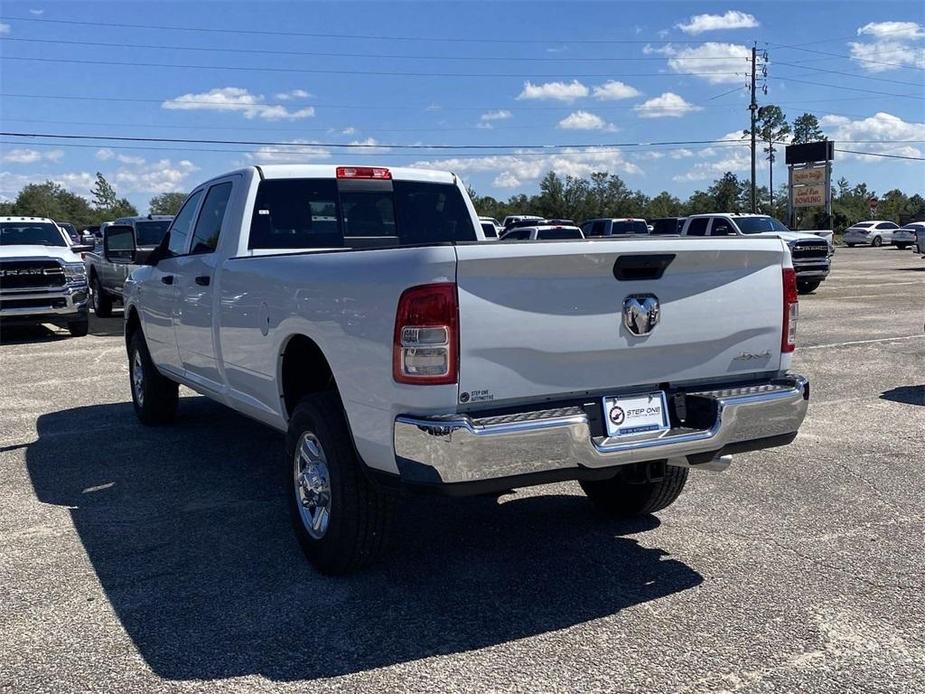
753, 107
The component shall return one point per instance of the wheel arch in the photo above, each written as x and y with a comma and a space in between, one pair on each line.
303, 369
132, 324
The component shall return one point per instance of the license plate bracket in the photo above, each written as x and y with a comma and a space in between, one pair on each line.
636, 413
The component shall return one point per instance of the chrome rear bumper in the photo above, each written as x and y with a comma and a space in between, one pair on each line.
459, 449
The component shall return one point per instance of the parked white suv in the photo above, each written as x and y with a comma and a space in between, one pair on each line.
350, 307
811, 252
42, 276
872, 232
543, 232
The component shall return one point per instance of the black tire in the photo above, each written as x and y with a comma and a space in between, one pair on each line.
902, 246
78, 328
877, 242
102, 302
153, 395
807, 286
620, 498
360, 513
851, 245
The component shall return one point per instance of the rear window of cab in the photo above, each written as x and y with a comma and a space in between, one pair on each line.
330, 213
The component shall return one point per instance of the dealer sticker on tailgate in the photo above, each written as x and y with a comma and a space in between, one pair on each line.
635, 414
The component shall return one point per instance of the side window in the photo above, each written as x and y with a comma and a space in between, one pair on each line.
597, 229
295, 213
721, 227
886, 225
209, 224
698, 227
182, 223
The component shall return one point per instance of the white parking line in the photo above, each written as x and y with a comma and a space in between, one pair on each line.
864, 342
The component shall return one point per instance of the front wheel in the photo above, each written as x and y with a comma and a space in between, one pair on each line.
342, 519
807, 286
78, 328
153, 395
851, 245
621, 498
102, 302
877, 242
902, 246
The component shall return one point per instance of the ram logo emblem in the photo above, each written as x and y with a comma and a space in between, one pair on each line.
640, 313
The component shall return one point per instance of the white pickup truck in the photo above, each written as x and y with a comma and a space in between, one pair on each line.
42, 277
358, 310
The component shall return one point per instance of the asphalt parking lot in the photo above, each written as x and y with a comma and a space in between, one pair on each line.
162, 560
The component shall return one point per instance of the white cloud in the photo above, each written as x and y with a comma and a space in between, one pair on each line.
893, 30
712, 162
881, 126
370, 146
302, 151
557, 91
236, 99
4, 28
667, 49
524, 167
349, 130
881, 56
294, 94
506, 179
668, 105
31, 156
733, 19
106, 154
496, 115
37, 13
613, 90
720, 59
583, 120
139, 176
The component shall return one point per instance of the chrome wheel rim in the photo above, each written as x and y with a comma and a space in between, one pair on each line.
312, 485
138, 378
95, 293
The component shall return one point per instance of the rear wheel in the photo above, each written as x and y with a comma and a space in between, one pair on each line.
877, 242
620, 497
153, 395
851, 245
102, 302
807, 286
902, 246
341, 519
78, 328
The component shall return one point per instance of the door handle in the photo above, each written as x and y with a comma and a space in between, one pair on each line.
203, 280
167, 279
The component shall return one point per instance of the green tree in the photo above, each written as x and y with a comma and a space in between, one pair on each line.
104, 195
806, 129
122, 208
726, 193
50, 199
663, 205
772, 128
169, 203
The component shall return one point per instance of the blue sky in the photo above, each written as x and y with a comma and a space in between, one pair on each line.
566, 73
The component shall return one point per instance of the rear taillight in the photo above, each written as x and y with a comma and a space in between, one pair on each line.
426, 342
375, 172
788, 338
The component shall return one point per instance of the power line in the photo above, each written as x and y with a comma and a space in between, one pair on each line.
320, 153
849, 74
847, 57
261, 51
787, 78
382, 107
328, 35
880, 154
370, 73
350, 145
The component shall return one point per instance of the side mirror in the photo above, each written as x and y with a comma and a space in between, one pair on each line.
119, 243
87, 240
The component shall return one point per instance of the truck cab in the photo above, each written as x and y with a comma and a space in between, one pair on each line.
811, 253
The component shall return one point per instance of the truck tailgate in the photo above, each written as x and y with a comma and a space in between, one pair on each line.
546, 319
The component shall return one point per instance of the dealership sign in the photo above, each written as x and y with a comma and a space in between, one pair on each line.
809, 196
809, 176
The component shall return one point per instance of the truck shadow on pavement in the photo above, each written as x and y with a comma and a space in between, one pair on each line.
907, 395
188, 532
